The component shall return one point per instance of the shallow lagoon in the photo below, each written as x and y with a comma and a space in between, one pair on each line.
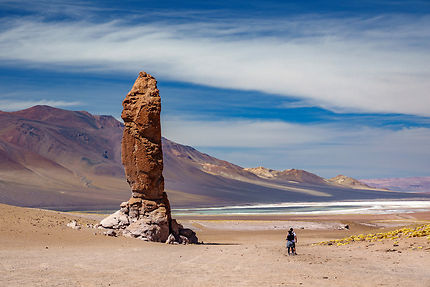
345, 207
341, 207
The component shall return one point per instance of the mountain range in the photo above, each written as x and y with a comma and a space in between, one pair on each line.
414, 184
70, 160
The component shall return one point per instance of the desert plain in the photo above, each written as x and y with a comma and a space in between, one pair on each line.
37, 248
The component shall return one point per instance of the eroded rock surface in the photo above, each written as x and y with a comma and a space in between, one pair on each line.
146, 215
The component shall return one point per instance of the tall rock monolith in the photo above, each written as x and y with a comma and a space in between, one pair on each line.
146, 215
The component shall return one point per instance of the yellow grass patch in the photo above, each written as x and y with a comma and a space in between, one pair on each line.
419, 231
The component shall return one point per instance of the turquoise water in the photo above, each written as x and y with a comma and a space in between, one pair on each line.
351, 207
259, 210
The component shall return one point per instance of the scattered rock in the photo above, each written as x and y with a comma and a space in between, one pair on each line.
184, 239
189, 234
110, 232
171, 239
343, 227
73, 224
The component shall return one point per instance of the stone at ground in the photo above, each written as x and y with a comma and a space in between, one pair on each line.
171, 239
115, 220
110, 232
73, 224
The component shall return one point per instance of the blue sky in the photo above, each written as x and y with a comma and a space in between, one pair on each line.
327, 86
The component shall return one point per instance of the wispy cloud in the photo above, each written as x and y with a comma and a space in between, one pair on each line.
297, 104
240, 133
48, 8
11, 105
326, 149
370, 64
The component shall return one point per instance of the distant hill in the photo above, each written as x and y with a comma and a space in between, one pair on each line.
411, 184
58, 158
70, 160
289, 175
349, 182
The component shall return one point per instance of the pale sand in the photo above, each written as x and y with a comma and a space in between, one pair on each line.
37, 249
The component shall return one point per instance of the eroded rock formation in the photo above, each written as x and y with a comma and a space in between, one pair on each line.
146, 215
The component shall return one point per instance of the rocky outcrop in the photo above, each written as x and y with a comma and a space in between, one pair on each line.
294, 175
349, 182
263, 172
146, 215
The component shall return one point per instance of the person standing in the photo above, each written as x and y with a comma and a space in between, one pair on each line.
291, 242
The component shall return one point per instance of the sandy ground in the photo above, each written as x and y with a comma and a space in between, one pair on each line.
37, 249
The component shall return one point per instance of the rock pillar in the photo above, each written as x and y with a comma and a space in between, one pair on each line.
146, 215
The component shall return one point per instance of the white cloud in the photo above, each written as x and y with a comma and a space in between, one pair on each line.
242, 133
11, 105
373, 65
326, 149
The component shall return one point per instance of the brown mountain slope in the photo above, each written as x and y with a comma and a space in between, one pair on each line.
64, 158
61, 159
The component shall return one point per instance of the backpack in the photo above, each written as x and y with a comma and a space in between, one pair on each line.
290, 237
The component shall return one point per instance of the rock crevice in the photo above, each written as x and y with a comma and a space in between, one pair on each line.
146, 215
